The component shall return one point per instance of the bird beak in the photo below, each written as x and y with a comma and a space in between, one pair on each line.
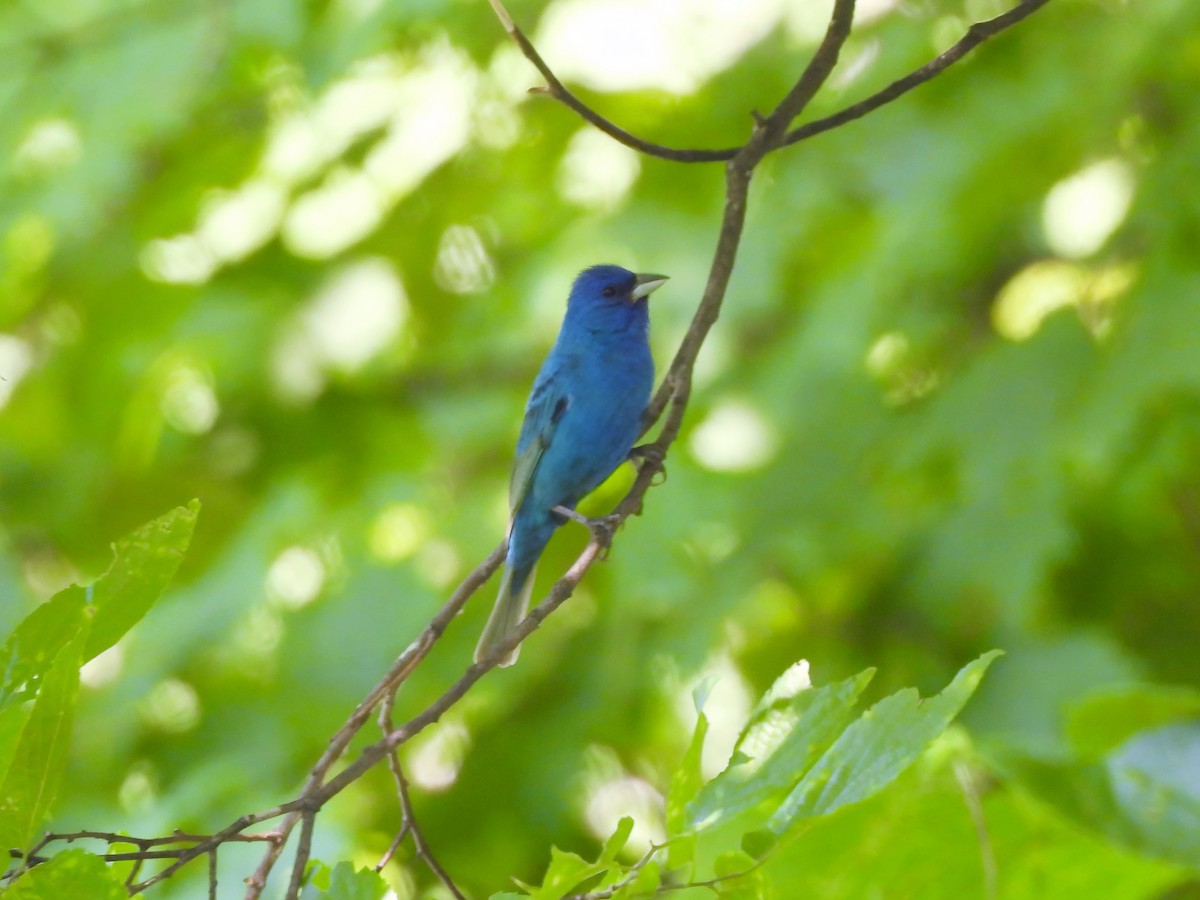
647, 284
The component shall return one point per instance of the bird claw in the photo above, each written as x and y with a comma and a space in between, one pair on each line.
650, 455
602, 528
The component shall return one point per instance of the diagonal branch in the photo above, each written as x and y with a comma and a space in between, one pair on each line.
976, 35
385, 687
815, 74
560, 92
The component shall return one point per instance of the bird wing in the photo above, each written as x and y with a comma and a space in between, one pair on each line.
547, 404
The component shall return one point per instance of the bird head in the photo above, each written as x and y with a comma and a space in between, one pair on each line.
613, 286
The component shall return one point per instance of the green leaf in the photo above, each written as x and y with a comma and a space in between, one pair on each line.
615, 844
316, 880
145, 562
759, 843
649, 877
741, 878
681, 851
33, 776
917, 840
732, 862
566, 870
35, 643
347, 883
1144, 794
877, 747
688, 779
1105, 720
12, 725
787, 733
69, 875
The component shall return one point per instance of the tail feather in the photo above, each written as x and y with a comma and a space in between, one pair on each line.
515, 590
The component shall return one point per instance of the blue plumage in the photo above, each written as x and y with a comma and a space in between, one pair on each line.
581, 421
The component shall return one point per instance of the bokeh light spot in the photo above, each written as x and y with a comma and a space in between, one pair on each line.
1081, 212
184, 259
434, 763
103, 669
296, 577
51, 145
734, 437
463, 265
358, 313
1047, 286
398, 531
16, 359
332, 217
596, 171
172, 706
189, 403
621, 45
235, 224
610, 801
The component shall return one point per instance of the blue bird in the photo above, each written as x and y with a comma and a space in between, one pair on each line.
583, 416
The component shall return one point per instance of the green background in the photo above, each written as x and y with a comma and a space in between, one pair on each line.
931, 421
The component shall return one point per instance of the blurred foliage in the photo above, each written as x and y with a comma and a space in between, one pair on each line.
301, 260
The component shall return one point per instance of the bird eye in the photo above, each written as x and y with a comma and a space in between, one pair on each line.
609, 291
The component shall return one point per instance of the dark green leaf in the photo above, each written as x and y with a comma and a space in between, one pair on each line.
759, 843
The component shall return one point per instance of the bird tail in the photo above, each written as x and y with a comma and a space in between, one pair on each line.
516, 586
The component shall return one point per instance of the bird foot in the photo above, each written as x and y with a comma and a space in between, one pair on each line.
602, 528
650, 455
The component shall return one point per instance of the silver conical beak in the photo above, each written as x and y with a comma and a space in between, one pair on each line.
647, 284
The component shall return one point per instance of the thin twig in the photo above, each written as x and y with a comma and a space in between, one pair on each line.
232, 832
386, 686
308, 821
630, 877
815, 74
407, 816
392, 848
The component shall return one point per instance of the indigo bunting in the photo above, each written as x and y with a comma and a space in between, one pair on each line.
583, 416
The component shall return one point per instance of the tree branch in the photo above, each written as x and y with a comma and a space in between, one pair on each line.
560, 92
408, 818
976, 35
